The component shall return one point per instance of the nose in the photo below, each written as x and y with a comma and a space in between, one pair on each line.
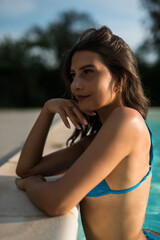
77, 83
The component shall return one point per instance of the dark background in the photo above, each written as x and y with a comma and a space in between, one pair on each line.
28, 79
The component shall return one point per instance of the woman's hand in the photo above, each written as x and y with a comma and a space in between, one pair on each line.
67, 109
22, 182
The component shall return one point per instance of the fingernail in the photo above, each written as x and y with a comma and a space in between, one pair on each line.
68, 126
85, 122
78, 127
94, 113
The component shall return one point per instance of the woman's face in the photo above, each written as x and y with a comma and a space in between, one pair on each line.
92, 82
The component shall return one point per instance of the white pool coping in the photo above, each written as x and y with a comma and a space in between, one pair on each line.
19, 218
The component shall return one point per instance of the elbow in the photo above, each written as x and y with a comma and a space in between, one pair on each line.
56, 211
21, 173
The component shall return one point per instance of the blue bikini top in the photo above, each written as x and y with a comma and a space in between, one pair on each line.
103, 189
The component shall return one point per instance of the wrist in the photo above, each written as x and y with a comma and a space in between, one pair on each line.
47, 111
30, 181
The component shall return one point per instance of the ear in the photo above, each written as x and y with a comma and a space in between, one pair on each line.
117, 86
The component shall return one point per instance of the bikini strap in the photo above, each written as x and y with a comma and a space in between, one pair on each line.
132, 188
149, 172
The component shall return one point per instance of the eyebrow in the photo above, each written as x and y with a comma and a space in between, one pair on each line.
81, 68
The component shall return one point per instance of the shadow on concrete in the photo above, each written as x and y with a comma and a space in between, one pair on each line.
15, 205
9, 155
20, 219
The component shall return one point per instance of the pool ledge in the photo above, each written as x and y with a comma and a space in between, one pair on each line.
20, 219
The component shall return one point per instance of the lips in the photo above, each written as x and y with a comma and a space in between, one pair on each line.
81, 97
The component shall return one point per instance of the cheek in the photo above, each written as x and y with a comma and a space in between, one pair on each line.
71, 87
101, 89
103, 92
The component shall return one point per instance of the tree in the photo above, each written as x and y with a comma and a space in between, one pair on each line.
28, 79
60, 36
152, 43
150, 70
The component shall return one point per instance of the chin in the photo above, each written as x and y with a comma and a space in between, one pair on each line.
85, 108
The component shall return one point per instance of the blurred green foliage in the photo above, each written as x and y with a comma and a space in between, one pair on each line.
150, 49
152, 22
30, 67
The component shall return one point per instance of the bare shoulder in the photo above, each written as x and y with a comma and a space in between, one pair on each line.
124, 124
126, 113
122, 118
126, 117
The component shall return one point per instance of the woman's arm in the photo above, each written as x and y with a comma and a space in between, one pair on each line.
31, 161
113, 142
33, 148
60, 161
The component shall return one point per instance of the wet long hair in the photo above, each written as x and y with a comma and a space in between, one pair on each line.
120, 60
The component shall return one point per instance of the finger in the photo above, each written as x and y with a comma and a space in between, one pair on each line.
64, 118
72, 117
91, 113
76, 113
79, 115
42, 178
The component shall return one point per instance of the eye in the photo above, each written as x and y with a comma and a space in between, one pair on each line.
88, 71
72, 75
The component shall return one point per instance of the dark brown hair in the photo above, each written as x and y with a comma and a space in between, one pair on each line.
122, 63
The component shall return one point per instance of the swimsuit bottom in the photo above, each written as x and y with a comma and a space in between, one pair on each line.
150, 236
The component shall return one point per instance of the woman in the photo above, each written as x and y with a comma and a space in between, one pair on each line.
106, 171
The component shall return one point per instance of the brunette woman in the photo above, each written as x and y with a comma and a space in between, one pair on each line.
108, 169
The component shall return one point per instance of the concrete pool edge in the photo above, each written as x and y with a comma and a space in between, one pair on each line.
19, 218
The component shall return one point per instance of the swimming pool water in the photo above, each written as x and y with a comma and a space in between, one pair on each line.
152, 218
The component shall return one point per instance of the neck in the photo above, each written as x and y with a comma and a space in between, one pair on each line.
107, 110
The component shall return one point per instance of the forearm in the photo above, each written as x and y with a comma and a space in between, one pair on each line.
30, 160
41, 195
33, 148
